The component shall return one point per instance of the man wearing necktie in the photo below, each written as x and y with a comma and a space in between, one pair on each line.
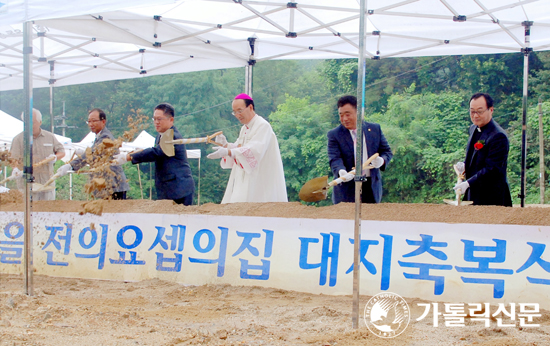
173, 178
486, 157
341, 154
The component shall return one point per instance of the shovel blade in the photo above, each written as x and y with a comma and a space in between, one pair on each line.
167, 148
314, 190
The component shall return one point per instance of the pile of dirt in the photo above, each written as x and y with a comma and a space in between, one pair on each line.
67, 312
382, 212
11, 197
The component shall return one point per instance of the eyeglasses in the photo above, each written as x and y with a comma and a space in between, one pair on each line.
472, 112
158, 119
238, 111
92, 121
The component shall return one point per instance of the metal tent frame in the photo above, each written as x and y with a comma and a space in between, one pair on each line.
188, 36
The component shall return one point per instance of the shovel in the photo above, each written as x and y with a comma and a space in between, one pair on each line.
316, 189
36, 187
46, 186
11, 177
38, 164
43, 162
167, 141
458, 201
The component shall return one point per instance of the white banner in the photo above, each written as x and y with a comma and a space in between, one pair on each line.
434, 261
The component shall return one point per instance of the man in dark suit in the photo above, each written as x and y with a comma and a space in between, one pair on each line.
173, 179
116, 182
486, 157
341, 154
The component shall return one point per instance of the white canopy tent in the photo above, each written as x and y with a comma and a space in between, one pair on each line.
18, 11
97, 45
12, 126
185, 36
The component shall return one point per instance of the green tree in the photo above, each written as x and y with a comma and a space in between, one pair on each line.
301, 129
427, 134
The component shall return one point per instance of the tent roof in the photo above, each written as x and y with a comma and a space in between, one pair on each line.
18, 11
87, 141
143, 140
12, 126
211, 34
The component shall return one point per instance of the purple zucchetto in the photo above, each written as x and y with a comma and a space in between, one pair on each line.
243, 96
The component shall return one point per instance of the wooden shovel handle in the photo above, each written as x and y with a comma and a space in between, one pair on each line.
11, 177
459, 175
207, 139
43, 162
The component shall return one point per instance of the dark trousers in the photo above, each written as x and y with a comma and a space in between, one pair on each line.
366, 192
186, 200
119, 195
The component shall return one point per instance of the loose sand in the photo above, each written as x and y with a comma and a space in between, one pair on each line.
67, 311
384, 211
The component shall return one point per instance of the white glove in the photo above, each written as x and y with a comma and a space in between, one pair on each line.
220, 139
345, 176
120, 159
377, 162
63, 170
463, 186
79, 151
16, 173
219, 153
54, 158
460, 167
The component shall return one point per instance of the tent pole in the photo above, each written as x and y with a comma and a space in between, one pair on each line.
139, 178
199, 198
359, 178
70, 186
248, 80
248, 70
525, 51
27, 157
52, 82
541, 153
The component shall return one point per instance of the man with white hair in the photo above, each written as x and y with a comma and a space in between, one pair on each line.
257, 173
45, 145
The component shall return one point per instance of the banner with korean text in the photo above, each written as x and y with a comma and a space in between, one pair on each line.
434, 261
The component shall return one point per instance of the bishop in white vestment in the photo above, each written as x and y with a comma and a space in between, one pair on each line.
254, 159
